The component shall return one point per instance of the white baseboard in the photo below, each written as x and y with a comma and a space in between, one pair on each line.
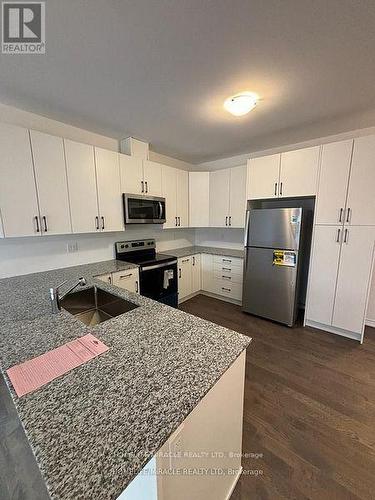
336, 331
370, 322
221, 297
234, 484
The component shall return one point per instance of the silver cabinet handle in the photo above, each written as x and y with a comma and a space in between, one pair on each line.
227, 277
36, 218
226, 269
179, 273
226, 221
281, 188
275, 188
175, 221
102, 223
186, 260
230, 220
142, 187
110, 279
338, 235
346, 234
146, 186
125, 276
226, 289
179, 221
193, 260
226, 260
45, 223
341, 213
136, 287
348, 215
97, 223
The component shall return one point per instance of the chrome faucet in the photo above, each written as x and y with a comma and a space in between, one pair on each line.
55, 296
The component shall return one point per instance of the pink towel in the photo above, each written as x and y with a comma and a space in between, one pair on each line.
34, 373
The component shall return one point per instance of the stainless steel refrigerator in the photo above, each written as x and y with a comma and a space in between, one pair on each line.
272, 262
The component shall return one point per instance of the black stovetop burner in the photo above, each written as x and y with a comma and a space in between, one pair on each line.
141, 252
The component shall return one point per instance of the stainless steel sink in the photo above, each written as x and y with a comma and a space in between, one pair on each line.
94, 305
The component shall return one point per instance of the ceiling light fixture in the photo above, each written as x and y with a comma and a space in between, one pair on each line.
241, 104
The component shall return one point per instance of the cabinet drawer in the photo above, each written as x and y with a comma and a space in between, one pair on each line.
228, 276
228, 262
231, 290
228, 269
125, 275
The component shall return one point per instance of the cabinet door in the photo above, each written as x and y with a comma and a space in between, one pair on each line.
183, 198
199, 199
128, 280
361, 199
107, 278
323, 273
354, 278
333, 182
299, 172
169, 185
109, 190
196, 273
184, 277
131, 173
19, 212
207, 269
219, 198
51, 181
263, 177
152, 177
237, 198
80, 167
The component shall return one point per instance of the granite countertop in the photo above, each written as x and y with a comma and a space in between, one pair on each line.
93, 429
227, 252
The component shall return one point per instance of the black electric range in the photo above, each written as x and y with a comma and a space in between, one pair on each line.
157, 271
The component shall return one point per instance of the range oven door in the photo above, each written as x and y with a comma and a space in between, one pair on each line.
159, 282
143, 209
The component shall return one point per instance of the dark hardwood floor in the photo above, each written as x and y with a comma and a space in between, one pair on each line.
309, 409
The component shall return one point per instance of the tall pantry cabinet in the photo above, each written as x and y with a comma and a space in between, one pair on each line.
344, 236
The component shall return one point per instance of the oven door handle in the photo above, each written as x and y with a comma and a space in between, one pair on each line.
158, 266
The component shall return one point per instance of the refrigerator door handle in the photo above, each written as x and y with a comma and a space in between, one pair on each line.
247, 223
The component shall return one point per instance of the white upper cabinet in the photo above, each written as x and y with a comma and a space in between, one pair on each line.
19, 212
80, 166
51, 182
152, 178
361, 198
109, 190
237, 196
263, 177
183, 198
354, 278
169, 188
175, 189
131, 170
299, 172
219, 197
199, 199
333, 182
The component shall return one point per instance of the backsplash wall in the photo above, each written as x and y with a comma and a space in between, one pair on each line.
216, 237
29, 255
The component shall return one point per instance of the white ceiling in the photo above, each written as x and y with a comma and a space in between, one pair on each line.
160, 69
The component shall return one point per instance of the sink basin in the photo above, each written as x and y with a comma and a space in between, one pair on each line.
94, 305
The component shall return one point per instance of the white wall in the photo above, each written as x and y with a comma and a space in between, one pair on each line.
222, 238
28, 255
371, 306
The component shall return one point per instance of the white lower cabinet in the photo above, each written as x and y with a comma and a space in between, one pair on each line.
196, 273
340, 276
128, 279
222, 275
185, 280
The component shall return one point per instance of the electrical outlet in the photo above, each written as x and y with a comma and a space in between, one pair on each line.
72, 247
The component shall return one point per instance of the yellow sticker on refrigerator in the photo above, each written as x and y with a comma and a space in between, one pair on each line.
284, 258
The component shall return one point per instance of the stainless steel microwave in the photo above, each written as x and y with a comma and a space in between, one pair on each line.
140, 209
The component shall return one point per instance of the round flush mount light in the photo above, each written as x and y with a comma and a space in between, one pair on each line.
241, 104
